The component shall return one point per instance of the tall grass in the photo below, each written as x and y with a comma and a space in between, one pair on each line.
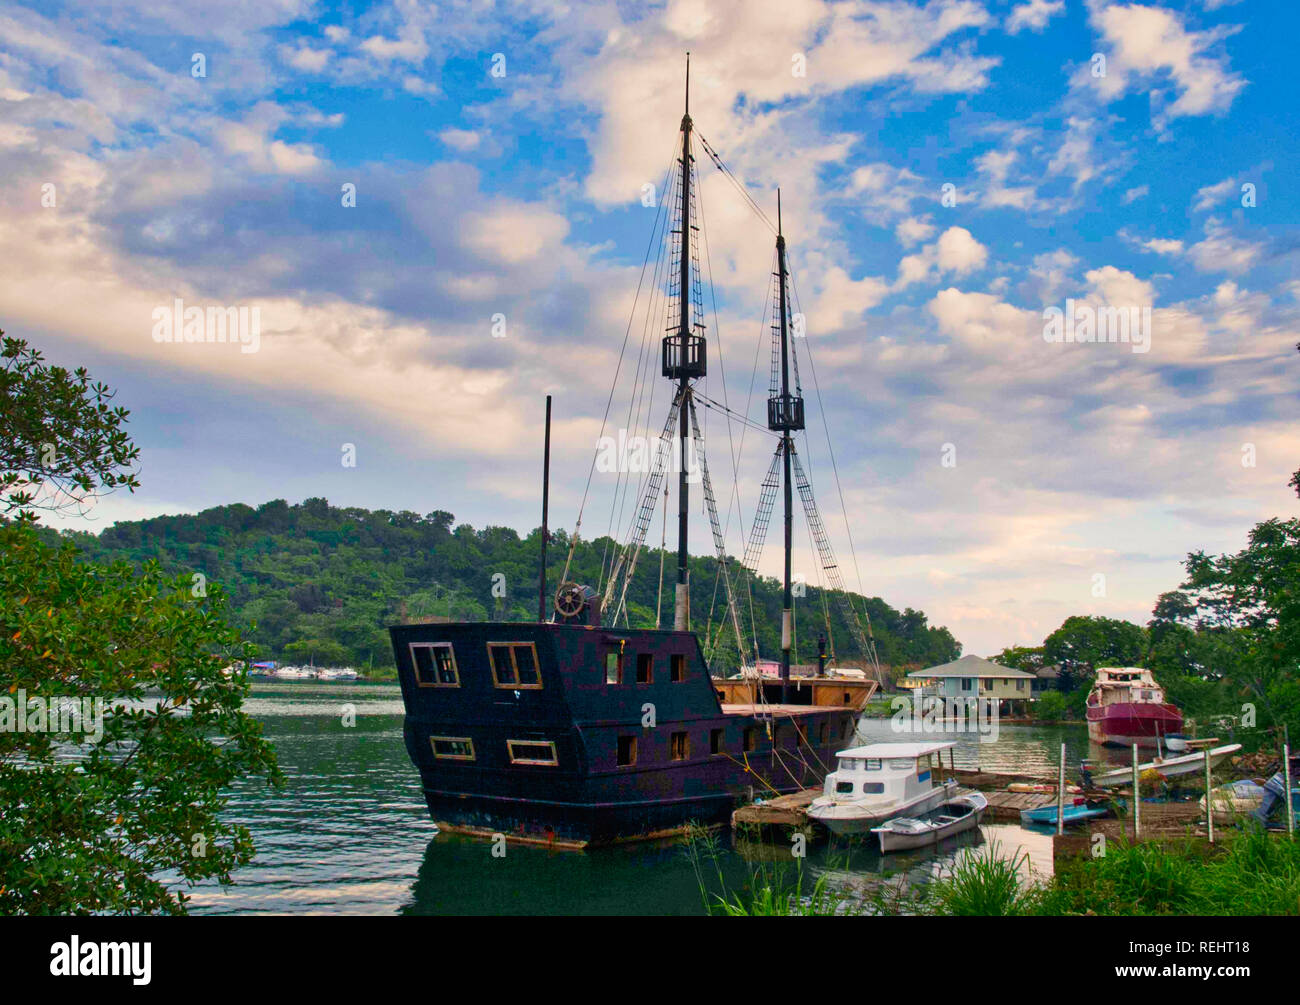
1246, 873
983, 883
773, 886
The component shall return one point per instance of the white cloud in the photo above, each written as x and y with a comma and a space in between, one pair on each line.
1033, 15
913, 230
463, 140
253, 140
304, 57
1211, 195
956, 252
1223, 251
1145, 43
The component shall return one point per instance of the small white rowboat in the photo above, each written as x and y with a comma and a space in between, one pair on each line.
953, 817
1169, 767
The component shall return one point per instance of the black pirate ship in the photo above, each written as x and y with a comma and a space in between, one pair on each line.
573, 731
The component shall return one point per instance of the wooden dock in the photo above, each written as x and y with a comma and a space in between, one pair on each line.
1005, 807
781, 811
791, 812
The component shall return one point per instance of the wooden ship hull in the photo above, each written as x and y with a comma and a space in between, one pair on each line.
563, 756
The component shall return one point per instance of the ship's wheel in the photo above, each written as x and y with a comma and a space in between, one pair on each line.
569, 600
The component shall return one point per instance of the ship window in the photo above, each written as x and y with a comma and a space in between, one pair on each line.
844, 729
532, 752
749, 738
614, 667
626, 750
435, 664
872, 788
844, 787
902, 762
679, 746
715, 741
871, 764
821, 733
677, 672
452, 748
514, 664
645, 668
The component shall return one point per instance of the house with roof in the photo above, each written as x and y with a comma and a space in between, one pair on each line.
975, 677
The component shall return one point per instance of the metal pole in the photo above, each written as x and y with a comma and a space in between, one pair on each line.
1060, 796
546, 502
787, 598
1137, 795
1286, 784
1209, 799
682, 600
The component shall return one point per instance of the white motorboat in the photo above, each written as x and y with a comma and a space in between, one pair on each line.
1167, 767
295, 673
963, 813
873, 783
337, 673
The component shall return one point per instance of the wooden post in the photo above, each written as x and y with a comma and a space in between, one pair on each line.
1286, 784
1060, 796
1209, 799
1137, 795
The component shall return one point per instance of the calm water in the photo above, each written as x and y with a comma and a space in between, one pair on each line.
350, 832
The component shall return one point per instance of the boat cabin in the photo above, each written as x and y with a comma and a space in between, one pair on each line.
1124, 684
884, 772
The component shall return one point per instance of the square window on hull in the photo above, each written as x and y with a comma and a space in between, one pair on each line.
452, 748
435, 664
626, 750
514, 665
538, 752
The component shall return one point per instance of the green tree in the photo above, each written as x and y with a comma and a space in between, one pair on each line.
63, 441
93, 819
1251, 600
114, 808
326, 652
1083, 643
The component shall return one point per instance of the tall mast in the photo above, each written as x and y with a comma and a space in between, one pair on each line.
683, 361
785, 414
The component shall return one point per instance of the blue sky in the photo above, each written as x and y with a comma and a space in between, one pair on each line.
520, 194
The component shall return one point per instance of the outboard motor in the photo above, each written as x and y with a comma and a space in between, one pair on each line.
577, 605
1275, 794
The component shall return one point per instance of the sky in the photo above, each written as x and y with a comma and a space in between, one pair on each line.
439, 212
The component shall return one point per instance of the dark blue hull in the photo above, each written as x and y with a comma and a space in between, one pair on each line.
561, 743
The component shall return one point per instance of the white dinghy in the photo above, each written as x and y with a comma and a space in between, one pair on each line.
953, 817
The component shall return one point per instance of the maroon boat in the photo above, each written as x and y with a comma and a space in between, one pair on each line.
1127, 706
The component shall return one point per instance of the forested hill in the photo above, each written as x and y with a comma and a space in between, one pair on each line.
319, 582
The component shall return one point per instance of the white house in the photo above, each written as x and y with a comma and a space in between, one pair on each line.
975, 677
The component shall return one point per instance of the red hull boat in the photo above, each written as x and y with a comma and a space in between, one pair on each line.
1126, 706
